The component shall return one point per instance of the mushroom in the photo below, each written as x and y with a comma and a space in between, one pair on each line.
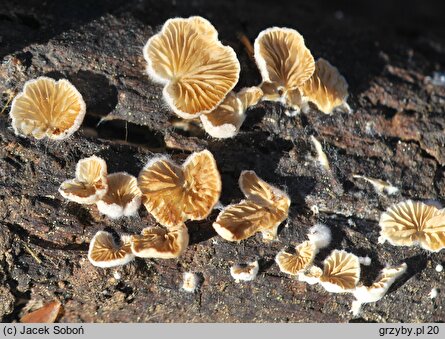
293, 263
410, 223
198, 71
47, 108
341, 272
123, 197
190, 282
158, 242
375, 292
226, 120
327, 88
263, 210
285, 64
105, 252
90, 183
244, 272
174, 194
311, 275
47, 314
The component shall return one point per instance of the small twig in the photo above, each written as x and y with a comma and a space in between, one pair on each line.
247, 45
7, 104
39, 261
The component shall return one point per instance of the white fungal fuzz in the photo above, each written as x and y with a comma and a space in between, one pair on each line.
433, 293
439, 268
322, 158
190, 282
117, 275
365, 261
315, 210
320, 235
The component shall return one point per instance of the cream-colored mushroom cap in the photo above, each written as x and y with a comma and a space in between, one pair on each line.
123, 197
47, 108
282, 57
341, 272
375, 292
159, 242
410, 223
265, 208
245, 272
105, 252
196, 69
293, 263
327, 88
226, 120
90, 183
174, 194
311, 275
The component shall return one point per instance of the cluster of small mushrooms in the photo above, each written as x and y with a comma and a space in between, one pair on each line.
199, 73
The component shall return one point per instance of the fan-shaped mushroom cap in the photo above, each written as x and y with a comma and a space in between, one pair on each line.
174, 194
375, 292
263, 211
327, 88
285, 64
296, 262
341, 272
250, 96
282, 57
159, 242
90, 183
410, 223
123, 197
245, 272
226, 120
47, 108
197, 70
105, 252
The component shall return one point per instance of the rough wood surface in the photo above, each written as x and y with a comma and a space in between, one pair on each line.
395, 133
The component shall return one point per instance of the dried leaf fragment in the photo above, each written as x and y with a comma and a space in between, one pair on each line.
327, 88
322, 158
265, 208
47, 108
105, 252
159, 242
90, 183
410, 223
293, 263
174, 194
46, 314
379, 185
196, 69
123, 196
